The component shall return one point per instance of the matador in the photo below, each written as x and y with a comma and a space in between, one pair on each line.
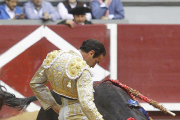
70, 76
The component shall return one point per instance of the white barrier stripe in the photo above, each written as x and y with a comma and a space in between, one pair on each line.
113, 50
57, 40
21, 46
168, 106
31, 108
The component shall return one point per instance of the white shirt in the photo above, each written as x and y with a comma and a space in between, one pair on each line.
10, 12
63, 12
40, 13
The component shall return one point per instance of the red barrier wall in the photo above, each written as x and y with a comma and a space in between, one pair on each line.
148, 57
149, 60
20, 70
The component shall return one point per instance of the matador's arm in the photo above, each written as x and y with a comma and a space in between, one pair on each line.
86, 96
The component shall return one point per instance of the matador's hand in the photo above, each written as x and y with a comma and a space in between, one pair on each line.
56, 107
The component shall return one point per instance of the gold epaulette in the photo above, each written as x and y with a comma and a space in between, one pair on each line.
50, 58
75, 67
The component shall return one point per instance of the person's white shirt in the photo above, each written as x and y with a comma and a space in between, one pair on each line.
63, 12
39, 13
10, 12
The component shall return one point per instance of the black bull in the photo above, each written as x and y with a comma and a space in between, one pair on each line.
111, 101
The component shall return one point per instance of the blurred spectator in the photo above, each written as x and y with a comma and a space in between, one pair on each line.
10, 10
38, 9
64, 7
107, 9
79, 17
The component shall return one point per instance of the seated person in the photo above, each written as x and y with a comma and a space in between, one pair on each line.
38, 9
64, 7
79, 17
107, 9
10, 10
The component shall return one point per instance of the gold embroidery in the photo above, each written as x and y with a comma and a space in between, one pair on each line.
57, 73
69, 84
51, 57
75, 67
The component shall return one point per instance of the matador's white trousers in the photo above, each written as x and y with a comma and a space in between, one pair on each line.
71, 110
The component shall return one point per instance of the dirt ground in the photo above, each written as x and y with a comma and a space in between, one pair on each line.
24, 116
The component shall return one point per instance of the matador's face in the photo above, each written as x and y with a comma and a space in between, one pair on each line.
93, 61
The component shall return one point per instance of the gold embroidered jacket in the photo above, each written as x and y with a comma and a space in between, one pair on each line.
69, 76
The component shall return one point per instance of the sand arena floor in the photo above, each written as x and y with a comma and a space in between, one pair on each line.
24, 116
